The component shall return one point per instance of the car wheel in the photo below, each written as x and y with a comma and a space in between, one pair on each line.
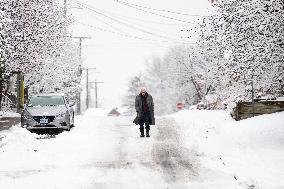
68, 128
69, 125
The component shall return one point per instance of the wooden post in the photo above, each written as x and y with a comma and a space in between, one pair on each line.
20, 92
252, 98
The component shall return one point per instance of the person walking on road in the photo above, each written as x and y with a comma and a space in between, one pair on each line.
144, 106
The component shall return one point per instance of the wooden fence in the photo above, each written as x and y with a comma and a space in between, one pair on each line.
7, 103
245, 110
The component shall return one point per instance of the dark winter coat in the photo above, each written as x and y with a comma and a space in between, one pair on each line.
139, 108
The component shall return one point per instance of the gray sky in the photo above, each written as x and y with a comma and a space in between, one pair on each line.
124, 37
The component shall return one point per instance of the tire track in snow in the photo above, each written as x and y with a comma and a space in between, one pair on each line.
177, 162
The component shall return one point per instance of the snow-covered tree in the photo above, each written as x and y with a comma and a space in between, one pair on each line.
4, 53
4, 46
178, 77
158, 85
135, 84
60, 75
36, 32
41, 45
245, 41
186, 72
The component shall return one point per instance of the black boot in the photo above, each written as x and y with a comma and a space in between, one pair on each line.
147, 133
142, 132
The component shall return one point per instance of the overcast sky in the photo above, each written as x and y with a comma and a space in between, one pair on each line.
124, 34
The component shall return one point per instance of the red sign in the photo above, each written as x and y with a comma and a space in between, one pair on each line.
180, 105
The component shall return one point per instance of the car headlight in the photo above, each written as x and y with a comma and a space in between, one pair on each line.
61, 115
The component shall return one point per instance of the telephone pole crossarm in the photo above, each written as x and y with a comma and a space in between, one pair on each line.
80, 44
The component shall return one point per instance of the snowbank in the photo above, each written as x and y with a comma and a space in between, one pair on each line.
250, 151
9, 114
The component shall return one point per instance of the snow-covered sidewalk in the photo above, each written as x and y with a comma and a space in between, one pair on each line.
8, 119
189, 149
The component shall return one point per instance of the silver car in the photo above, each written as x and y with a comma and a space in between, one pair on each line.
50, 111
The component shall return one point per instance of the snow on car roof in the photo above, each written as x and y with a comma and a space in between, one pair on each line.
50, 94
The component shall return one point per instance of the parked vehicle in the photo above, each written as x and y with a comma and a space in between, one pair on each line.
200, 106
50, 111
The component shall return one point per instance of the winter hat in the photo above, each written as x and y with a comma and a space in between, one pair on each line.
143, 89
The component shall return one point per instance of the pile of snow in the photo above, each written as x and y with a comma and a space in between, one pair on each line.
9, 114
251, 151
280, 98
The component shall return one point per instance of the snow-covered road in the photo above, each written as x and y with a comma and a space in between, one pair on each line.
100, 152
190, 149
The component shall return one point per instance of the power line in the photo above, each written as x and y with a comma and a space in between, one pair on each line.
104, 22
153, 13
131, 36
123, 23
150, 21
117, 33
123, 35
138, 19
110, 25
159, 10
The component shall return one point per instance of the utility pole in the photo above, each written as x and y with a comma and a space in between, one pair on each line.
96, 90
87, 85
80, 49
80, 67
20, 91
252, 98
65, 8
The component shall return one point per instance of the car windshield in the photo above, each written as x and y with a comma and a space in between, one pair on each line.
46, 101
